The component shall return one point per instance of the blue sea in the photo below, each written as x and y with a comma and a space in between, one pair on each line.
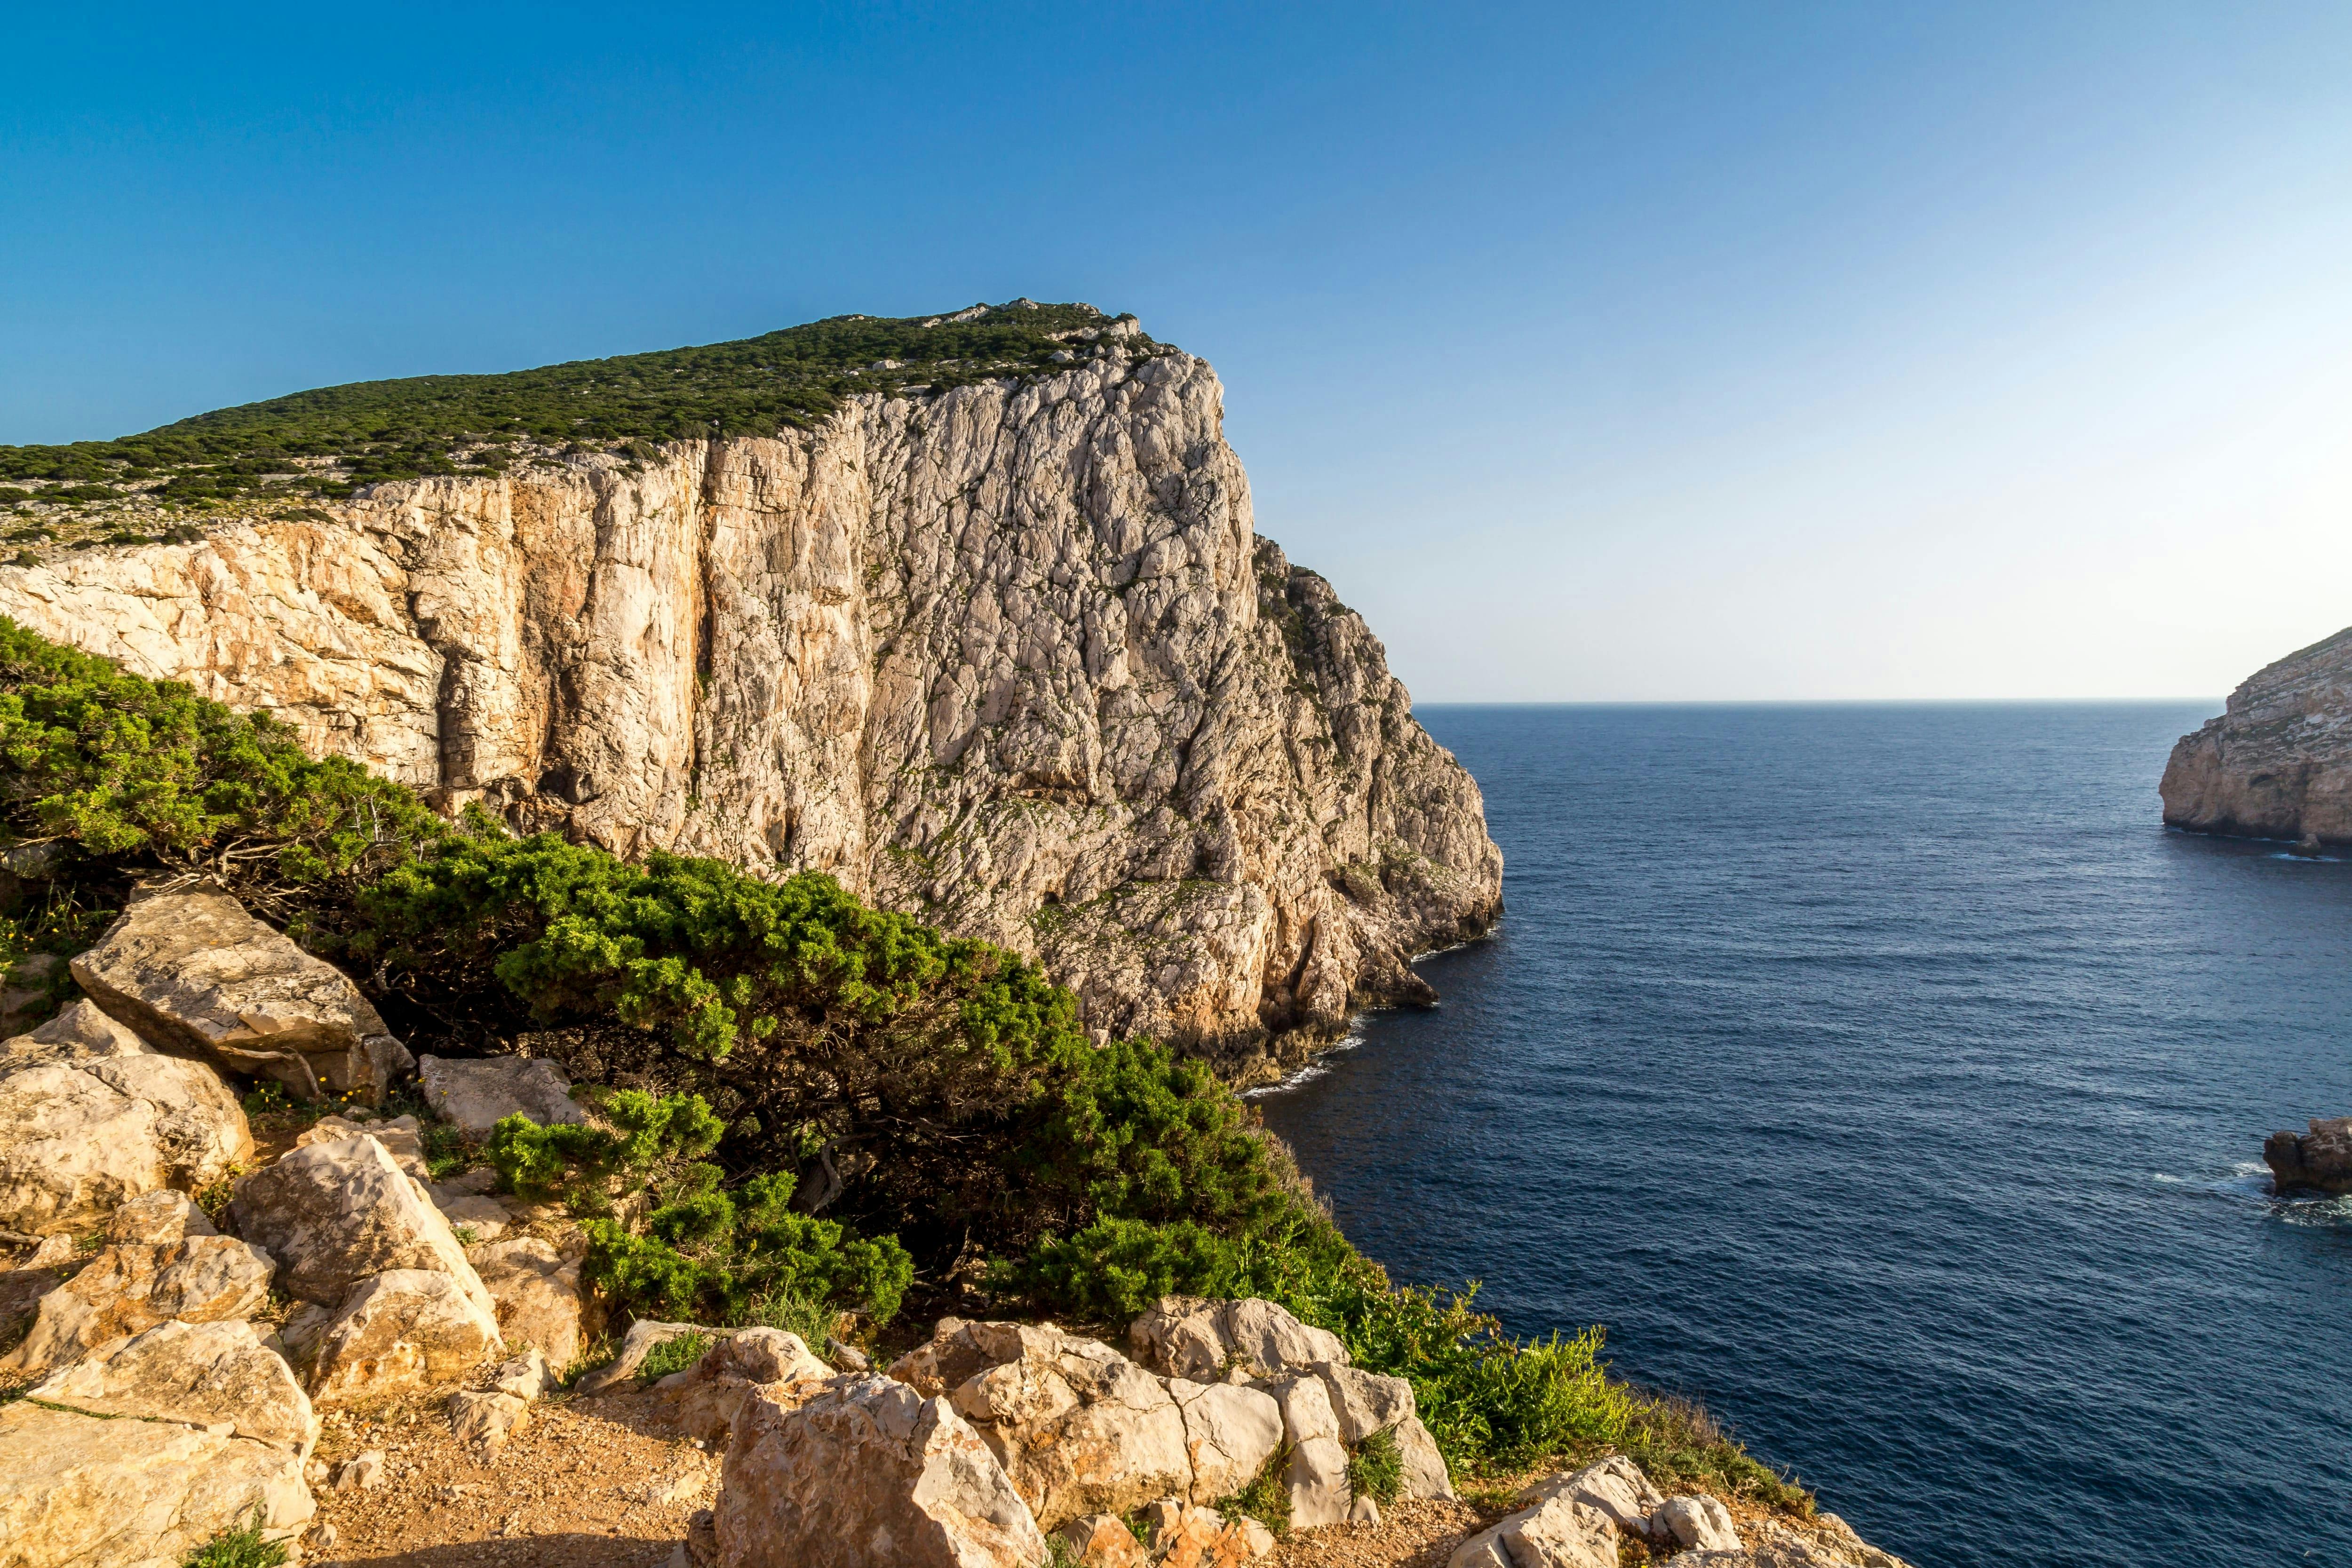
1892, 1080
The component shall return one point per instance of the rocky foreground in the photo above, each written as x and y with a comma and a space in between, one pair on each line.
2278, 763
209, 1334
1010, 658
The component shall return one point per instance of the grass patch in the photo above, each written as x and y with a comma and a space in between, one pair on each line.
673, 1355
237, 1549
1267, 1498
1375, 1470
1681, 1447
812, 1321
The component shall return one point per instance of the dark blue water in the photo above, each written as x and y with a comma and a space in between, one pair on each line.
1890, 1080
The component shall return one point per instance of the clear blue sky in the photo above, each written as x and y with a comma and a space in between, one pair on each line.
1640, 351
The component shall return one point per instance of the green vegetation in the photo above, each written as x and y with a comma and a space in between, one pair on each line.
1375, 1470
241, 1548
1267, 1498
673, 1355
815, 1108
338, 438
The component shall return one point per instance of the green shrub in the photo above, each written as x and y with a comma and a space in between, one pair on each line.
1267, 1498
673, 1355
1375, 1470
241, 1548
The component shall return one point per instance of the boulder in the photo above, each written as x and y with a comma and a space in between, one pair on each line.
21, 1291
1558, 1532
868, 1471
476, 1096
705, 1399
535, 1289
1102, 1541
487, 1419
527, 1376
2317, 1161
79, 1490
1615, 1486
402, 1137
201, 1374
402, 1332
157, 1219
76, 1036
29, 990
333, 1214
1188, 1337
1697, 1524
90, 1118
361, 1473
1319, 1494
72, 1149
1184, 1535
635, 1345
1370, 1401
193, 971
129, 1289
1229, 1432
1077, 1427
486, 1218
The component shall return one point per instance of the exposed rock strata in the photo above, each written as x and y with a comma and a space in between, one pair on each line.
1010, 657
2278, 763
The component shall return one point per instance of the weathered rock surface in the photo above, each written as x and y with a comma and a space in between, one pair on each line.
1103, 1541
535, 1288
1184, 1535
2278, 763
487, 1417
201, 1374
78, 1491
333, 1214
1615, 1486
1010, 658
402, 1332
1229, 1432
1697, 1524
1556, 1534
1191, 1337
868, 1471
1077, 1427
90, 1118
2317, 1161
1317, 1477
127, 1289
476, 1095
156, 1219
402, 1137
705, 1400
193, 973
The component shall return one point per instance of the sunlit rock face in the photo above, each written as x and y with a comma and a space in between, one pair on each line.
2278, 763
1010, 657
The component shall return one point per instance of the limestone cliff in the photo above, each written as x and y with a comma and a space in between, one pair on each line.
1008, 656
2278, 763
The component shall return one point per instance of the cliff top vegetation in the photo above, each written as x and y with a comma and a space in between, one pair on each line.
337, 439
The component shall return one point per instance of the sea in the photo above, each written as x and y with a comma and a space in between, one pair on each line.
1890, 1080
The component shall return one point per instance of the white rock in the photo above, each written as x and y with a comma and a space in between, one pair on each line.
402, 1332
1319, 1494
126, 1290
1230, 1433
333, 1214
1557, 1533
78, 1491
200, 1374
361, 1473
539, 1303
1192, 1338
487, 1419
194, 972
77, 1036
1364, 1511
400, 1137
527, 1376
1615, 1486
869, 1471
477, 1095
705, 1399
157, 1218
486, 1217
1079, 1428
1698, 1524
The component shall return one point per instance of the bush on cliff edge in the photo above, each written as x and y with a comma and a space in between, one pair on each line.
811, 1101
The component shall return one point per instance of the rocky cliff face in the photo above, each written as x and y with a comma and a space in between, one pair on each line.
1009, 657
2278, 763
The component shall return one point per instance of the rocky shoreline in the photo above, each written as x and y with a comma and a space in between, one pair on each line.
2278, 763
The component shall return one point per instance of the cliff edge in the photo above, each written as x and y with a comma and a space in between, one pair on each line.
2278, 763
1002, 651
